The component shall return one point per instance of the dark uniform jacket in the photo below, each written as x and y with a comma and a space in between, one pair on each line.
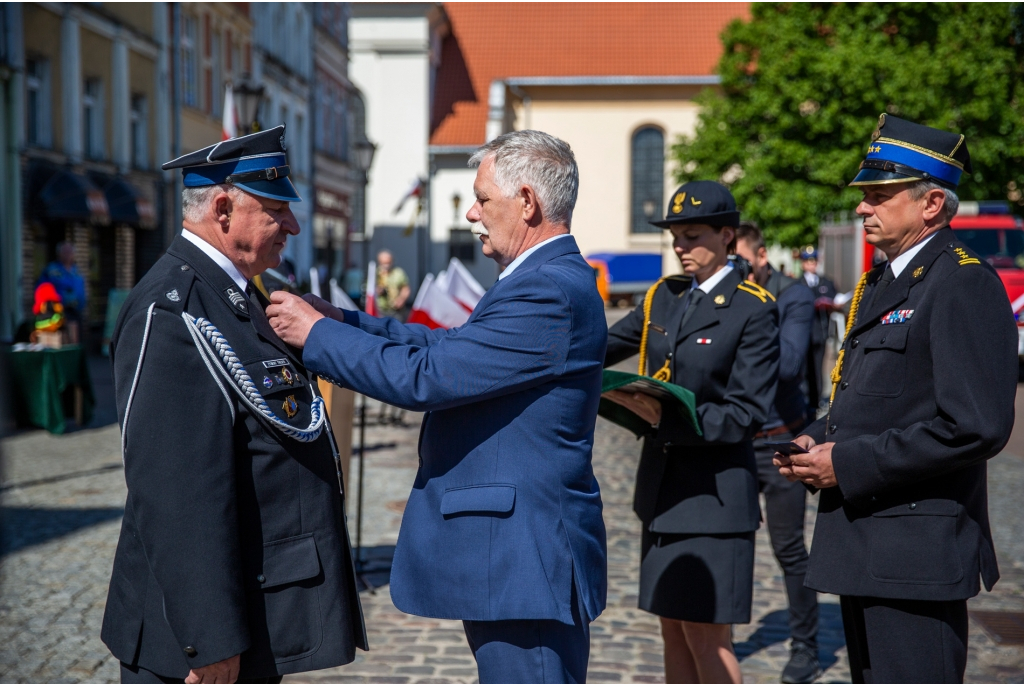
796, 319
926, 397
727, 354
234, 538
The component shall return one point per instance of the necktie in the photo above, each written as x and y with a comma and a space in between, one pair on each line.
883, 283
692, 299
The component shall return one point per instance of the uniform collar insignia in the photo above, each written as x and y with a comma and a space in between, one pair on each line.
237, 298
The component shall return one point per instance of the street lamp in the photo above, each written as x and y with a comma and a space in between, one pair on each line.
248, 97
364, 150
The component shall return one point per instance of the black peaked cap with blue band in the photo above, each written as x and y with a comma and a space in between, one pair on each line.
256, 163
901, 151
701, 202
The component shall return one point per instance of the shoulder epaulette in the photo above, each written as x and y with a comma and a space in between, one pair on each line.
755, 290
173, 288
964, 257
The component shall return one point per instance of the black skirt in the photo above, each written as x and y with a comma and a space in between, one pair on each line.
698, 578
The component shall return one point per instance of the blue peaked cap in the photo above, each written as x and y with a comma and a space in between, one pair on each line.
901, 151
256, 163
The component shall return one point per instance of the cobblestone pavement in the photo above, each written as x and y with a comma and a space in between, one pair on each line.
63, 498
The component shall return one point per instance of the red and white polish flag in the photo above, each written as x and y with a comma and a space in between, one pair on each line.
436, 308
461, 285
370, 306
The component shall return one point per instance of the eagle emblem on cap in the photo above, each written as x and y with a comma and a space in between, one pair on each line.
677, 202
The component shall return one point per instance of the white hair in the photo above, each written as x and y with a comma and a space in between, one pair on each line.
538, 160
952, 204
194, 200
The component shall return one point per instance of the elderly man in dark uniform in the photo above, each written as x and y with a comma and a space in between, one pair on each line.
786, 502
234, 560
923, 395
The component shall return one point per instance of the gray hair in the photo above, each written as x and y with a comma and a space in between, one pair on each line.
952, 204
194, 200
540, 161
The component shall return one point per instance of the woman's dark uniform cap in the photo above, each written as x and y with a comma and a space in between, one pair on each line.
256, 163
701, 202
901, 151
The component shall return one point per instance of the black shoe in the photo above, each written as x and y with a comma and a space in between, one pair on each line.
803, 666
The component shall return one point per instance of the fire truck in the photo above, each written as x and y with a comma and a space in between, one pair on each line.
988, 228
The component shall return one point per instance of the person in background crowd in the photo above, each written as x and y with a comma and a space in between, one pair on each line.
712, 332
392, 287
923, 395
63, 274
824, 296
785, 502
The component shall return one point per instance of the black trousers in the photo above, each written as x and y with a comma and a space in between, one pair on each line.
138, 674
904, 640
785, 506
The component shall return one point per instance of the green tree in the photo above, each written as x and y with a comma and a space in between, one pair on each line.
803, 85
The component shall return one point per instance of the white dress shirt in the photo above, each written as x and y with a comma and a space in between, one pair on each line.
811, 279
218, 257
522, 258
709, 283
898, 264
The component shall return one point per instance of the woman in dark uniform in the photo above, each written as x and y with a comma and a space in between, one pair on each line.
715, 334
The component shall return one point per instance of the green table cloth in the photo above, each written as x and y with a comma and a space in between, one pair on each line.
39, 379
677, 402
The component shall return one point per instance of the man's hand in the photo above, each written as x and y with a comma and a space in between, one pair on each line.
813, 468
221, 672
291, 317
644, 406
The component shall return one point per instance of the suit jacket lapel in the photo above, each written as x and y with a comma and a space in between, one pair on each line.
263, 328
704, 316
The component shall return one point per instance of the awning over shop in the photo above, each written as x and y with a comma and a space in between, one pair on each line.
66, 196
127, 204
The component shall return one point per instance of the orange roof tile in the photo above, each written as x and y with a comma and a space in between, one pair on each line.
559, 39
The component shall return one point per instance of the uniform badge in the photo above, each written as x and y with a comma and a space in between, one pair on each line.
173, 296
703, 341
719, 299
287, 375
897, 316
237, 298
291, 408
267, 383
918, 271
677, 203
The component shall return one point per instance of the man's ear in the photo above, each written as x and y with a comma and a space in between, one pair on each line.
531, 210
934, 204
223, 206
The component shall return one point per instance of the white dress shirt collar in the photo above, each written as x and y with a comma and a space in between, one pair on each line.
709, 283
900, 263
218, 257
522, 258
811, 279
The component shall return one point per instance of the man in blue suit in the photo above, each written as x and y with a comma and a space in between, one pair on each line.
503, 528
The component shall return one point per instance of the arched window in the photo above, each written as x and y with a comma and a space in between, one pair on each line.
648, 176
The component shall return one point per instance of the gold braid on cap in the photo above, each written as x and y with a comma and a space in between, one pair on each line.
664, 373
837, 371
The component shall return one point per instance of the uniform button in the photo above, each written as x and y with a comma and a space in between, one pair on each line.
184, 267
669, 355
855, 342
190, 652
832, 428
913, 505
844, 385
883, 340
873, 498
261, 578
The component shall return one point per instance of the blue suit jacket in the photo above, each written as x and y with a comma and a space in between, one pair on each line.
505, 511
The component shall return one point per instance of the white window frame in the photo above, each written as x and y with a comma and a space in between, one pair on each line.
93, 118
39, 84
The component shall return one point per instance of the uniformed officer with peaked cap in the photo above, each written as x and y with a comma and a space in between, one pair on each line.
715, 334
923, 394
234, 559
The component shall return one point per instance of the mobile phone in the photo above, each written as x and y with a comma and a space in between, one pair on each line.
786, 448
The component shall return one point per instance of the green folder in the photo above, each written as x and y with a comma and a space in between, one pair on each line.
675, 399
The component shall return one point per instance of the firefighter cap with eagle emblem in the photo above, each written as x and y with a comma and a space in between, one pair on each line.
256, 163
701, 202
901, 151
